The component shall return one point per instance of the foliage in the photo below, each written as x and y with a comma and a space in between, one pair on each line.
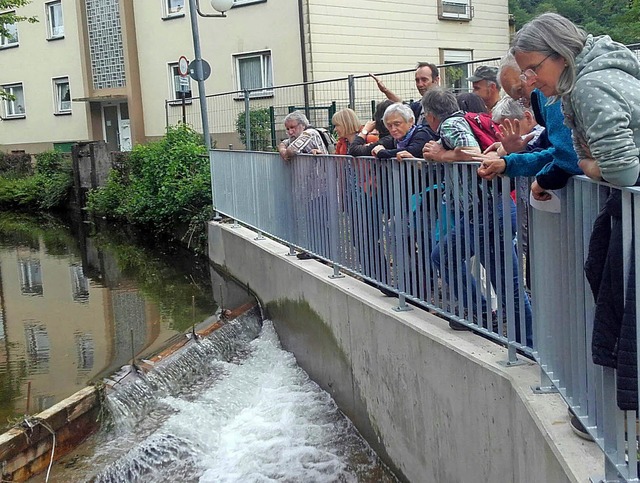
260, 124
619, 19
11, 18
47, 188
18, 164
165, 184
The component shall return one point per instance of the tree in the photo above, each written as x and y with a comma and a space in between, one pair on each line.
617, 18
9, 19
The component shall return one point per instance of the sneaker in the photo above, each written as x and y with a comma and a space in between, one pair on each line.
453, 325
387, 292
579, 429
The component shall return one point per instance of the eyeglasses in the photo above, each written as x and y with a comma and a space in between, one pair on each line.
395, 124
530, 73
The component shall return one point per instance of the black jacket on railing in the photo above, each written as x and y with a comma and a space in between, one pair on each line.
614, 326
421, 136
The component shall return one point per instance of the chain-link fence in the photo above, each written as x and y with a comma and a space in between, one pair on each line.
253, 119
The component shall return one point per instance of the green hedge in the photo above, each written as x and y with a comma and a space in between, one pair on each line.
47, 188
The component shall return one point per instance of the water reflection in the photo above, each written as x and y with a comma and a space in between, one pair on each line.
77, 303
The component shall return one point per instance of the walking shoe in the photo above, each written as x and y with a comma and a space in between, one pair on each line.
453, 325
578, 428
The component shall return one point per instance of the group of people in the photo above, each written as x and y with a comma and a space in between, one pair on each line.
571, 106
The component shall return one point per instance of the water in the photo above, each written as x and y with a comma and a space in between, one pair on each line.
244, 413
76, 303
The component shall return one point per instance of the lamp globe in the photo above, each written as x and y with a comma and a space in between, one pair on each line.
222, 5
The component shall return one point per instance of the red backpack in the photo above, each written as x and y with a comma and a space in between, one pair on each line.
484, 129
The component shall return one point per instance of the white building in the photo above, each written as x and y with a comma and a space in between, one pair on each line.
103, 69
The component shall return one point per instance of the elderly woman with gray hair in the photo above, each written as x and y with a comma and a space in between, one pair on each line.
408, 138
598, 81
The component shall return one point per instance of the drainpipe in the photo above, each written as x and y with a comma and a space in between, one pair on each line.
303, 53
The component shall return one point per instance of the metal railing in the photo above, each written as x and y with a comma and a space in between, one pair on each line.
415, 229
253, 119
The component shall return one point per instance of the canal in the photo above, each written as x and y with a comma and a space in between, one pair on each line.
78, 303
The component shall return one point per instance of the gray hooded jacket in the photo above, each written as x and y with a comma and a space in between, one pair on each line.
603, 109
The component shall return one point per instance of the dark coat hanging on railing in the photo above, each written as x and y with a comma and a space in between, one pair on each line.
614, 327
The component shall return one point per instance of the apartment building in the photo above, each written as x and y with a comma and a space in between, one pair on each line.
105, 69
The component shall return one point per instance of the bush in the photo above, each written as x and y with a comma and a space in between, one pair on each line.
48, 188
15, 164
260, 121
166, 185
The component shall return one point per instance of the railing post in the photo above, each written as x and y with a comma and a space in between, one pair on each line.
332, 170
352, 91
399, 230
272, 125
247, 120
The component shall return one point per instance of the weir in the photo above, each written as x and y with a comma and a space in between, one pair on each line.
232, 406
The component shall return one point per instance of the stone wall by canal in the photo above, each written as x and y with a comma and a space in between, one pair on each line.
436, 405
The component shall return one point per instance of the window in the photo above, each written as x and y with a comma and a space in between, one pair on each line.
174, 7
455, 10
62, 95
14, 107
37, 344
55, 23
180, 86
254, 73
79, 284
11, 39
30, 276
85, 351
455, 75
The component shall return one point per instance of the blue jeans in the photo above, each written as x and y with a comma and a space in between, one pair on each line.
487, 242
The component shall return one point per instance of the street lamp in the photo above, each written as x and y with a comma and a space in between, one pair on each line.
194, 9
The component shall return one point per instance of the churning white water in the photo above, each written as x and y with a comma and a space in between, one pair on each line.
247, 413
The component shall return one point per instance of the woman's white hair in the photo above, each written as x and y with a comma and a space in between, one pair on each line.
402, 110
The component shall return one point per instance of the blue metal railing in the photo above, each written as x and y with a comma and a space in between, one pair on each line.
429, 232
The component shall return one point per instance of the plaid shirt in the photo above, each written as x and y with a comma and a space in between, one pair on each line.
455, 132
307, 141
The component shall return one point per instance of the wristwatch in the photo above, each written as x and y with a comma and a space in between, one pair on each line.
364, 132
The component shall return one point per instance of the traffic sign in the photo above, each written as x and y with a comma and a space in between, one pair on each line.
206, 70
183, 66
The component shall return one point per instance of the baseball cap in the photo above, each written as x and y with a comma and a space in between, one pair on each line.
484, 72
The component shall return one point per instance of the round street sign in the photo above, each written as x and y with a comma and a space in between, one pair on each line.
206, 70
183, 66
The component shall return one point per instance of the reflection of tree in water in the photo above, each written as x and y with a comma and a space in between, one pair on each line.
171, 287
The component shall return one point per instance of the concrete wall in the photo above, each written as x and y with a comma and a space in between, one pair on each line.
436, 405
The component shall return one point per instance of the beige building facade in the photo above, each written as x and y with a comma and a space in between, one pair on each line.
108, 69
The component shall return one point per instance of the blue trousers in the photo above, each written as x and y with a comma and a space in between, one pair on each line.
488, 256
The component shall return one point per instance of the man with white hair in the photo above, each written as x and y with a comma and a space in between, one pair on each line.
302, 138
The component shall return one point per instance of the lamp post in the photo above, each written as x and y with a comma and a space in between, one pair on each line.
194, 9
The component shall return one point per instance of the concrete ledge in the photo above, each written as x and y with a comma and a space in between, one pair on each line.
25, 452
436, 405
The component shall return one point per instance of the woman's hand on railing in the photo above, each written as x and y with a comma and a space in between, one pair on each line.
403, 155
590, 167
539, 193
377, 149
490, 166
